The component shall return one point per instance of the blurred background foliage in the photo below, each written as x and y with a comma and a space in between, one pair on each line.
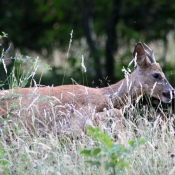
104, 32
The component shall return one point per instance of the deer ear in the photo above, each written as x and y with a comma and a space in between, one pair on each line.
140, 55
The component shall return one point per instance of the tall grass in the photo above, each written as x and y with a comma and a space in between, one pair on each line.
23, 153
26, 154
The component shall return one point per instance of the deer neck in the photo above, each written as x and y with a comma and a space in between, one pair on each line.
123, 92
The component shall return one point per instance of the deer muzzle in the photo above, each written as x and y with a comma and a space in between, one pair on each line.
168, 96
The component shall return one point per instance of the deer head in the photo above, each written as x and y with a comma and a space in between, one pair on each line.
150, 76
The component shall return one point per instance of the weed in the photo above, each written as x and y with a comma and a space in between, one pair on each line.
113, 156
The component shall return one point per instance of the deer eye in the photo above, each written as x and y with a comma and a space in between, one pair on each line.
156, 75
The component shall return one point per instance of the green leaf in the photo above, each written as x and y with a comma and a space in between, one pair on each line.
139, 141
86, 152
2, 152
142, 141
4, 162
91, 152
99, 136
96, 151
131, 142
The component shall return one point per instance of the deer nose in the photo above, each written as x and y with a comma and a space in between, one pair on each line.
167, 94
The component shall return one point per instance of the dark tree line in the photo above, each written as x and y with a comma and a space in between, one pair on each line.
38, 24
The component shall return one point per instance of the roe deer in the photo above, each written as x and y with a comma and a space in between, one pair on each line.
70, 103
